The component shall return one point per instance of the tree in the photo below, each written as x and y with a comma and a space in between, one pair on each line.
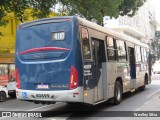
96, 9
157, 43
129, 7
93, 10
41, 8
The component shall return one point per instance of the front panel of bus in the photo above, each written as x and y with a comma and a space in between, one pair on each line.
48, 67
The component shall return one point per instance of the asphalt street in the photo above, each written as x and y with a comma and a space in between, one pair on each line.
148, 100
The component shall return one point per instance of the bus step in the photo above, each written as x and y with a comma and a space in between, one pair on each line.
133, 90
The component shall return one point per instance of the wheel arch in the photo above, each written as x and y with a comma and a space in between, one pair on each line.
120, 80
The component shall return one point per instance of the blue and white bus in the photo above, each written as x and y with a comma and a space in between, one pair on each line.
69, 59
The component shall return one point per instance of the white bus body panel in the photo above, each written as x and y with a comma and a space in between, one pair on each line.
75, 95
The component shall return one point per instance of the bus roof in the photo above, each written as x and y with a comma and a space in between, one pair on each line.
46, 20
85, 23
111, 32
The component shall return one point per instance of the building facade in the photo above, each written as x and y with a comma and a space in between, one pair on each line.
7, 48
7, 44
141, 26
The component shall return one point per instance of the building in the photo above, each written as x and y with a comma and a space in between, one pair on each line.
7, 45
7, 48
141, 26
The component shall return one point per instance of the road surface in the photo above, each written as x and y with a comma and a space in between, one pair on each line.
148, 100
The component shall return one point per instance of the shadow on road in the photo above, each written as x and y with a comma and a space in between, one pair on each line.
85, 111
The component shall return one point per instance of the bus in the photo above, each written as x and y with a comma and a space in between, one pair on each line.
69, 59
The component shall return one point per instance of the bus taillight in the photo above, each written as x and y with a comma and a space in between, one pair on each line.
17, 79
73, 78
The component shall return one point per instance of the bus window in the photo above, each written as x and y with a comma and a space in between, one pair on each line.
110, 49
121, 49
85, 44
144, 54
98, 52
138, 54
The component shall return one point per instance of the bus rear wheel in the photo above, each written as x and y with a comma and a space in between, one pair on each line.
117, 93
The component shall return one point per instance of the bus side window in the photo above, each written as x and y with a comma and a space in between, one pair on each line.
144, 55
85, 44
138, 54
94, 53
111, 53
98, 50
121, 50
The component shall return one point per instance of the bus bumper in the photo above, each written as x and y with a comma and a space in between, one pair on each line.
75, 95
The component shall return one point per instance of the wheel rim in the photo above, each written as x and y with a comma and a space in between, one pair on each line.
118, 93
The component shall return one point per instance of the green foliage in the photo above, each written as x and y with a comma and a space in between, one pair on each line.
157, 43
93, 10
129, 7
157, 34
41, 8
96, 9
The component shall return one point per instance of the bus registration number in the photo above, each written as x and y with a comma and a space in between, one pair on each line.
42, 86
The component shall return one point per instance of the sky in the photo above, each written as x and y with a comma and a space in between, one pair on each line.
156, 4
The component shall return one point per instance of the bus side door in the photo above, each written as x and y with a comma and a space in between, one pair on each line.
132, 66
98, 52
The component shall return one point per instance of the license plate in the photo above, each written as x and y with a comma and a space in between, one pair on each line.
42, 86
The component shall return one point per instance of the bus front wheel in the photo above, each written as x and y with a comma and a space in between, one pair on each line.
117, 93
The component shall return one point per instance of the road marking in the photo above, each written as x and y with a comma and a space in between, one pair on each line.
60, 117
137, 109
153, 93
147, 102
38, 108
43, 106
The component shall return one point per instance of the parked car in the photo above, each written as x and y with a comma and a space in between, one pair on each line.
156, 67
3, 93
11, 87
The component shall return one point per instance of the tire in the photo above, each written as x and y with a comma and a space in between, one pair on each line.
142, 88
2, 96
117, 93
